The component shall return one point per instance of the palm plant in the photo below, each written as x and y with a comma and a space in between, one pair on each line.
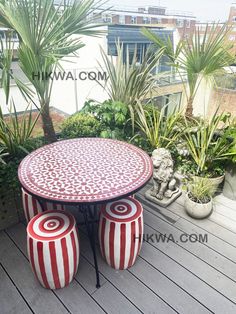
197, 57
159, 129
129, 82
45, 33
6, 55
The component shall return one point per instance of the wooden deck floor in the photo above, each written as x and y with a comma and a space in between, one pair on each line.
168, 277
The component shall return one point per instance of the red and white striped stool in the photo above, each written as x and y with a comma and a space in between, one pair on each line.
53, 248
121, 232
32, 207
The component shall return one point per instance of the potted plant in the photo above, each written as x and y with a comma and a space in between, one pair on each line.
198, 201
209, 147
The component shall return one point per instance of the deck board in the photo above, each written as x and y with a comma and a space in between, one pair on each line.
11, 299
197, 249
168, 277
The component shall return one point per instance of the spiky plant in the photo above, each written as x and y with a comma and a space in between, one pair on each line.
159, 129
129, 81
197, 57
46, 36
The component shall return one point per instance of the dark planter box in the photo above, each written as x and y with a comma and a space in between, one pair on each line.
11, 211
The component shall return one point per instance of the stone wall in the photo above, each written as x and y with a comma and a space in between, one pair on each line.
225, 99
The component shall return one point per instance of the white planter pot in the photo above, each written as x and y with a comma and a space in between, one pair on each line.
197, 210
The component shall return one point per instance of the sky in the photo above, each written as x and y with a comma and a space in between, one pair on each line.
204, 10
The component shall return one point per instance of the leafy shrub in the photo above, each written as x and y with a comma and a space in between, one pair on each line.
113, 116
8, 169
81, 125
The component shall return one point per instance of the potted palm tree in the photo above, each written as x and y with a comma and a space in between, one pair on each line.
198, 200
197, 58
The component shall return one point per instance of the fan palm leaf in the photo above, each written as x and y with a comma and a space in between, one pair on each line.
46, 35
198, 57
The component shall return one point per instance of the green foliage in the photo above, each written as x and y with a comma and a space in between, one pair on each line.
2, 154
196, 57
230, 135
46, 35
158, 129
16, 130
201, 190
208, 143
81, 125
113, 116
8, 175
6, 55
8, 170
129, 81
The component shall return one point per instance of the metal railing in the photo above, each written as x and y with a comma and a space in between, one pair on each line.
169, 79
133, 9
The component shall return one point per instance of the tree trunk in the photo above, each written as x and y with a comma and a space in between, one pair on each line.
48, 128
189, 109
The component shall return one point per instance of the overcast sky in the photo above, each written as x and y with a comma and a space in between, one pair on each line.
203, 9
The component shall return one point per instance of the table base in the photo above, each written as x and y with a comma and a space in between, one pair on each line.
89, 214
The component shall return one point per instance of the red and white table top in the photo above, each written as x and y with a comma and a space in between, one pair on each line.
85, 170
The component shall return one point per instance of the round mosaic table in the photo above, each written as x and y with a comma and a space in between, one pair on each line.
85, 171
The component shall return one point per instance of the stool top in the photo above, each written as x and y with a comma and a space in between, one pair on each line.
50, 225
85, 170
125, 210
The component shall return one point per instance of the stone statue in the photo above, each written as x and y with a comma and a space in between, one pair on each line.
165, 181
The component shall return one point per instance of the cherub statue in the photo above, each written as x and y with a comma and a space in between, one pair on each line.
164, 179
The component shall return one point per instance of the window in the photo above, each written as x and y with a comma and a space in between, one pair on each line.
146, 20
15, 36
233, 18
171, 101
179, 23
2, 34
231, 37
187, 23
106, 18
133, 19
121, 19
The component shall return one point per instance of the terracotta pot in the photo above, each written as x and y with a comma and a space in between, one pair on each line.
197, 210
229, 189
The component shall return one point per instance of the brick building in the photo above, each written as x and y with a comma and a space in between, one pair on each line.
151, 15
230, 21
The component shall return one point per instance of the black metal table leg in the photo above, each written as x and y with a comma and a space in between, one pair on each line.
91, 234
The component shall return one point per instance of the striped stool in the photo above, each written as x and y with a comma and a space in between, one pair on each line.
53, 248
32, 207
121, 232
